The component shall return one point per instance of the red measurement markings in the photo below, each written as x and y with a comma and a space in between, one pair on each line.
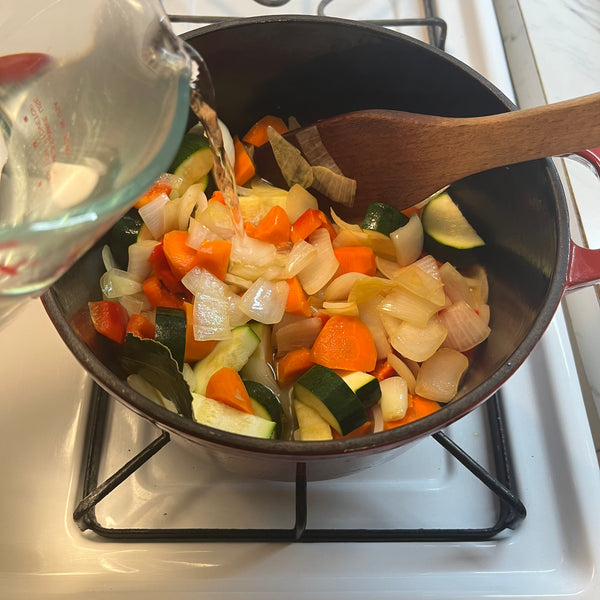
11, 269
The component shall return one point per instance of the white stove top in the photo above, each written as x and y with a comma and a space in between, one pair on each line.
553, 553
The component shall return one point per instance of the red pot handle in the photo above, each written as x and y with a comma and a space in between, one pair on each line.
584, 263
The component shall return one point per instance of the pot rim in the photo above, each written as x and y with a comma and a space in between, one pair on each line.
307, 450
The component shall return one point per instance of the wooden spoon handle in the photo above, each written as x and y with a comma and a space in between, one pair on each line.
529, 133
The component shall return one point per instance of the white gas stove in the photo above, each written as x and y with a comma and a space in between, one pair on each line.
421, 526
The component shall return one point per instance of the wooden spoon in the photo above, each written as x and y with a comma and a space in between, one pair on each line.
407, 157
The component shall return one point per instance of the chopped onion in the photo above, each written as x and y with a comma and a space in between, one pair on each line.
417, 281
139, 252
116, 282
483, 310
394, 398
440, 375
108, 259
377, 419
366, 288
428, 264
403, 370
299, 200
369, 315
198, 234
293, 166
236, 281
153, 215
349, 309
339, 289
314, 150
301, 254
264, 301
407, 306
352, 235
136, 304
319, 271
211, 305
455, 285
217, 217
237, 316
408, 241
262, 197
477, 281
343, 225
334, 186
297, 334
386, 267
413, 342
466, 329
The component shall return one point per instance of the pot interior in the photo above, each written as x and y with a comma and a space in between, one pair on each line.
311, 68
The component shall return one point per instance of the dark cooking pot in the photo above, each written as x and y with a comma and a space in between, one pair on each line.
312, 67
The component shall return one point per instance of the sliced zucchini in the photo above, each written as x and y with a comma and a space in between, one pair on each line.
233, 353
171, 331
193, 161
221, 416
365, 386
448, 236
265, 404
122, 234
383, 218
326, 392
312, 426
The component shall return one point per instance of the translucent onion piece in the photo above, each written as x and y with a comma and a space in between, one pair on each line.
261, 198
466, 329
440, 375
408, 241
264, 301
217, 217
403, 371
293, 166
139, 252
153, 215
108, 259
455, 285
194, 199
394, 398
211, 305
299, 201
483, 310
136, 304
377, 419
237, 316
298, 334
238, 282
314, 150
386, 267
417, 281
247, 250
339, 288
301, 254
381, 244
428, 264
478, 283
369, 315
341, 308
198, 234
366, 288
407, 306
345, 225
353, 235
334, 186
116, 282
319, 271
413, 342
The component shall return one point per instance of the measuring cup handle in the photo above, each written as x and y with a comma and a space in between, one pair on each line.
584, 263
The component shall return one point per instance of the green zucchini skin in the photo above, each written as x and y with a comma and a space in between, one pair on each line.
325, 391
383, 218
171, 331
365, 386
122, 234
260, 394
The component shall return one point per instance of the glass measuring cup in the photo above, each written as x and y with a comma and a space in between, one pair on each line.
94, 99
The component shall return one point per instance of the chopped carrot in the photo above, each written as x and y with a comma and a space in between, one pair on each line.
227, 386
417, 409
181, 257
383, 370
214, 257
273, 228
157, 188
243, 167
161, 268
366, 427
297, 300
159, 295
218, 196
356, 259
195, 350
141, 327
345, 343
308, 222
257, 134
109, 319
293, 364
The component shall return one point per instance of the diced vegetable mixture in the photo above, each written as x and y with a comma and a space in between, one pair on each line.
301, 325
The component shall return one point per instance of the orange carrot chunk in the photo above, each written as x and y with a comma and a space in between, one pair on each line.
363, 429
257, 134
218, 196
109, 319
356, 259
417, 409
226, 386
273, 228
214, 257
195, 350
383, 370
310, 220
345, 343
141, 327
243, 167
297, 301
293, 364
